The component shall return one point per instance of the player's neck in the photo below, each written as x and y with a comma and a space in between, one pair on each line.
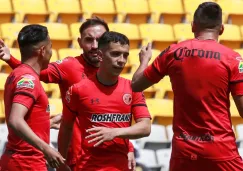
207, 35
106, 79
33, 63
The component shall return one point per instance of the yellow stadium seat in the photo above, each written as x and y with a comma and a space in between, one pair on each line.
231, 36
16, 53
63, 53
233, 109
240, 51
130, 30
59, 34
54, 56
164, 89
233, 9
55, 106
31, 11
160, 109
104, 9
55, 91
167, 11
133, 11
65, 11
6, 11
161, 35
183, 32
74, 30
10, 33
3, 77
134, 58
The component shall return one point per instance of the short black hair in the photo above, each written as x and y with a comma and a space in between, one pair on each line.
111, 36
30, 36
94, 21
208, 15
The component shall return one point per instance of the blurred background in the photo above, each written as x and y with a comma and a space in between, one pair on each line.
161, 22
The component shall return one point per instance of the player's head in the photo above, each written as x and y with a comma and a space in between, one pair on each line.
208, 17
90, 32
114, 51
34, 41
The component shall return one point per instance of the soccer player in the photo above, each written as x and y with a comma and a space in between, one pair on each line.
202, 73
105, 104
71, 70
26, 107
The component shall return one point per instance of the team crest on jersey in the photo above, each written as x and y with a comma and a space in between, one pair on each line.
68, 95
26, 82
127, 98
240, 66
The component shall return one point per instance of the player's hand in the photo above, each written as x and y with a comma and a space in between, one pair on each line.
55, 121
100, 134
53, 157
131, 161
145, 54
4, 51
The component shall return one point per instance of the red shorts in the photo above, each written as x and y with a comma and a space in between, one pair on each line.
177, 164
11, 162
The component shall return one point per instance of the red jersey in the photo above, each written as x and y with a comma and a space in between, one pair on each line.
202, 74
67, 72
23, 86
105, 106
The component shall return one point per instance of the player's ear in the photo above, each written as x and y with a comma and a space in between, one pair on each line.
79, 42
100, 55
42, 51
221, 29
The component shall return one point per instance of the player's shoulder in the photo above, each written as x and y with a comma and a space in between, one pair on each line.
125, 82
67, 61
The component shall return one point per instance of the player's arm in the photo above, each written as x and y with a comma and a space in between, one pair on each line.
7, 57
68, 119
18, 124
55, 121
236, 83
146, 76
131, 157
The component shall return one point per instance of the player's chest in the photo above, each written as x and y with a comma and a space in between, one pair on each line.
119, 101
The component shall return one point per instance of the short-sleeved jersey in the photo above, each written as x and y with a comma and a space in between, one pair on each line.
202, 74
23, 86
107, 106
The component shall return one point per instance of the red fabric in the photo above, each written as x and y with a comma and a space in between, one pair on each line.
202, 74
108, 106
23, 86
67, 72
209, 165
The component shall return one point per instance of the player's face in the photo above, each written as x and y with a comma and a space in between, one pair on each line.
89, 42
114, 58
47, 53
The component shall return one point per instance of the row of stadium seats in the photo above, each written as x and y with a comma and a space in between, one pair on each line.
162, 35
133, 11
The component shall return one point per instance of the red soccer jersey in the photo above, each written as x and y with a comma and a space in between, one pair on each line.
23, 86
202, 74
106, 106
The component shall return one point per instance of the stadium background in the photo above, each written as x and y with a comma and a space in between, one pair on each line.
159, 21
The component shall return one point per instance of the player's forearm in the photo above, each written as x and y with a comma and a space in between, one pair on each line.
21, 128
138, 130
13, 62
138, 76
64, 138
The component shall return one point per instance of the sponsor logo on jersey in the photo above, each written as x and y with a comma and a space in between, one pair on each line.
25, 82
28, 76
206, 137
59, 61
111, 117
127, 98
